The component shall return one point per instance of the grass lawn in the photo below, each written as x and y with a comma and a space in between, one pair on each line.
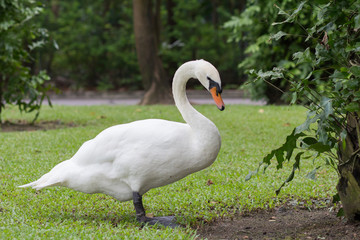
248, 133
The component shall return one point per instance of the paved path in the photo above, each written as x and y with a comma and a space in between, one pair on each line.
133, 98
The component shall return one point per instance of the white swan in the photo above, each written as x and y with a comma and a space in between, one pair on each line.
125, 161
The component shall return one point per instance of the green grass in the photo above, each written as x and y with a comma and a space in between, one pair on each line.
248, 133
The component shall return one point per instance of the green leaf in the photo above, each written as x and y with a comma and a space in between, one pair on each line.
311, 118
352, 107
278, 35
357, 21
303, 57
296, 166
288, 148
280, 159
340, 213
355, 70
309, 140
330, 162
268, 74
320, 147
298, 9
294, 98
327, 106
251, 173
338, 75
292, 16
336, 198
343, 135
312, 175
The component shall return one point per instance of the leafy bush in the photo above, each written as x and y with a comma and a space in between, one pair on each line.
19, 37
332, 51
266, 46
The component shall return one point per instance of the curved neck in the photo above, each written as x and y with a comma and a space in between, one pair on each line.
188, 112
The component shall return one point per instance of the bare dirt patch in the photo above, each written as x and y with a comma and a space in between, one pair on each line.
283, 223
22, 125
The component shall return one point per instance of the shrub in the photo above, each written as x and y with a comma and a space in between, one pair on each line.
19, 37
332, 51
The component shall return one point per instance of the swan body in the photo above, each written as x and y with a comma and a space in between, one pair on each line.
138, 156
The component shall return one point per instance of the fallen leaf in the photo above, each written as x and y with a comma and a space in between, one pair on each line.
209, 182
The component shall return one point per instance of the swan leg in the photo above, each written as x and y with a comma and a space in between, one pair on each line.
141, 215
139, 207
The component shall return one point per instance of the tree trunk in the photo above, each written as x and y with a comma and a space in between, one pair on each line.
214, 13
154, 77
170, 5
171, 25
349, 169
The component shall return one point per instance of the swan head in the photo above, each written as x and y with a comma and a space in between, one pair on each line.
209, 77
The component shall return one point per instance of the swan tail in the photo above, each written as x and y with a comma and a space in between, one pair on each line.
43, 182
53, 178
28, 185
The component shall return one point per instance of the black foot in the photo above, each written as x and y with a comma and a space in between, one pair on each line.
168, 221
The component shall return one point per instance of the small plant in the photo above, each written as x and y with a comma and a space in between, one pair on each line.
252, 31
331, 93
18, 85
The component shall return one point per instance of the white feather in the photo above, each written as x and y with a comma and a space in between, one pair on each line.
145, 154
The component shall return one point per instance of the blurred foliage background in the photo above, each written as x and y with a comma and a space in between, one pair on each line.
91, 43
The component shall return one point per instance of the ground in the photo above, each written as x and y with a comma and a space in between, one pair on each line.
20, 125
284, 222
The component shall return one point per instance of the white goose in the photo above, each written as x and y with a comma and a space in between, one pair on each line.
125, 161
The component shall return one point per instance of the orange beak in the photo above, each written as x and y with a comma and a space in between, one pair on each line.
217, 98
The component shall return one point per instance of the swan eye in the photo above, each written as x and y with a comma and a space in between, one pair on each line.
213, 84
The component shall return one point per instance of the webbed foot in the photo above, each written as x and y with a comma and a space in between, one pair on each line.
168, 221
